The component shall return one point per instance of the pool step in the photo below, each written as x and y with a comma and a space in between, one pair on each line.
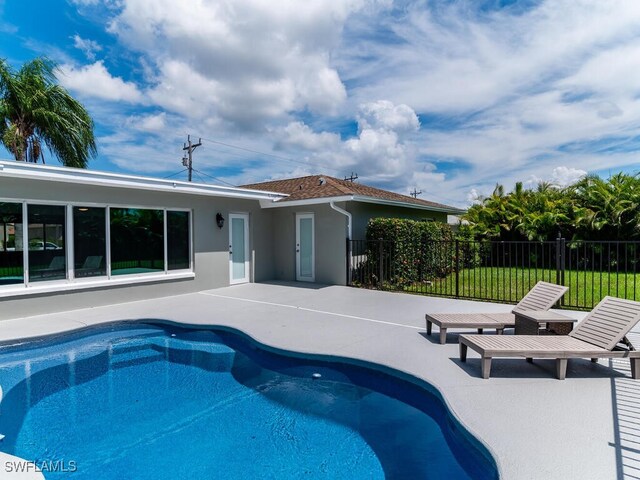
126, 356
212, 357
208, 357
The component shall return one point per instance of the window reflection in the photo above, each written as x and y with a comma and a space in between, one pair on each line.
137, 241
89, 242
11, 238
178, 251
46, 237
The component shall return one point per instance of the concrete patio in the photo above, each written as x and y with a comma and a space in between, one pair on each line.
537, 427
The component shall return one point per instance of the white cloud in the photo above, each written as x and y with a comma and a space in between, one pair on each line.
88, 47
504, 94
154, 123
246, 62
474, 196
95, 81
380, 152
385, 115
564, 176
297, 135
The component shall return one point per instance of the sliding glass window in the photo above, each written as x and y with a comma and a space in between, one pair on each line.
11, 237
46, 236
89, 242
137, 241
133, 239
178, 240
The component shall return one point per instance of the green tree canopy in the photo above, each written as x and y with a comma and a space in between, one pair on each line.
36, 112
590, 209
607, 209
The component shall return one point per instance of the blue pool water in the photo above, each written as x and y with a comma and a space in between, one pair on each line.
158, 402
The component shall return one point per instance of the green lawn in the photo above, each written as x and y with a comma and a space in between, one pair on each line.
510, 284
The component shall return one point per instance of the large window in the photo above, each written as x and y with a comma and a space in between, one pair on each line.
46, 235
178, 240
11, 241
137, 241
89, 242
102, 242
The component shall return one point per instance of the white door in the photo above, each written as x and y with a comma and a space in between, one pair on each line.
239, 248
305, 248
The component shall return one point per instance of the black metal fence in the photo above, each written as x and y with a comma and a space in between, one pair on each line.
498, 271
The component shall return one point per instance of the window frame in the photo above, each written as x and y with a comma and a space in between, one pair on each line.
27, 277
71, 282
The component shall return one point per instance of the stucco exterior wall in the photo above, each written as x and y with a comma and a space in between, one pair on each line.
330, 243
210, 244
272, 240
363, 212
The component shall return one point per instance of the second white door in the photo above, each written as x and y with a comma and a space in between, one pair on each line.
305, 248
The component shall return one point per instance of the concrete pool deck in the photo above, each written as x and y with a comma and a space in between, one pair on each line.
537, 427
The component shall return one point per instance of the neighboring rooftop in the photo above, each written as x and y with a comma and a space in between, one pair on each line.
324, 186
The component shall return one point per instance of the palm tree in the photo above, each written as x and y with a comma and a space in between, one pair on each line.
36, 112
609, 208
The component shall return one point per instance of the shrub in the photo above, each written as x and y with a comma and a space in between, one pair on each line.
412, 251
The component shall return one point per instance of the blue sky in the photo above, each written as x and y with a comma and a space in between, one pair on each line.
449, 97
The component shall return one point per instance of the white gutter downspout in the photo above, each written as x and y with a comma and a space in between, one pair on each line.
348, 252
347, 214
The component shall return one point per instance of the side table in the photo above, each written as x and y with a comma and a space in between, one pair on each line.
530, 323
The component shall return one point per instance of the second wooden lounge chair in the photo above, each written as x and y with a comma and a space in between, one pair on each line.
542, 296
600, 335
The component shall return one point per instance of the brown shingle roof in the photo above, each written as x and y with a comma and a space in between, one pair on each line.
323, 186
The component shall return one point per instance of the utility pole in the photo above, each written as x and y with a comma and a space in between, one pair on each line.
351, 178
415, 193
187, 160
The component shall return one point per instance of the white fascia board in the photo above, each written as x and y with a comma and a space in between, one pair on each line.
299, 203
381, 201
14, 169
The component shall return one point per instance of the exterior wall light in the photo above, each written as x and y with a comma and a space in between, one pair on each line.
219, 220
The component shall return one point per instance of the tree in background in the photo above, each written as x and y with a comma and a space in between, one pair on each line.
607, 209
590, 209
36, 112
522, 214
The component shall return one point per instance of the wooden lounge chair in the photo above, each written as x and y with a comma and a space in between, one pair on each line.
542, 296
600, 335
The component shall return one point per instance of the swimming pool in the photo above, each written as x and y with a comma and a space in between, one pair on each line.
151, 401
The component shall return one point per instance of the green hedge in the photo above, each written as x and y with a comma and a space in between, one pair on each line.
413, 251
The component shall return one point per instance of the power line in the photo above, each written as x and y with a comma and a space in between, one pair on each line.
200, 176
215, 178
277, 157
415, 193
175, 174
352, 178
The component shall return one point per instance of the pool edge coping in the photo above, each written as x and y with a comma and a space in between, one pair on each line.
428, 385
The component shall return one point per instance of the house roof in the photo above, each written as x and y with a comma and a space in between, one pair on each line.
316, 187
13, 169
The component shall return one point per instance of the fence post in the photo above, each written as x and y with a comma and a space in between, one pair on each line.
348, 250
457, 268
380, 263
558, 255
563, 266
560, 264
